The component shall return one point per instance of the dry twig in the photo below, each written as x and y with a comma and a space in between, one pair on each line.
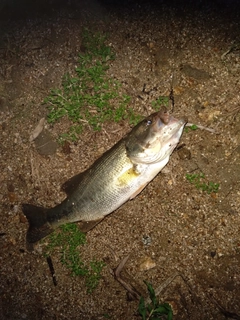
134, 293
201, 127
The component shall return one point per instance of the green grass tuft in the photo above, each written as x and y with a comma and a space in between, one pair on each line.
69, 238
198, 180
193, 128
161, 101
154, 310
89, 95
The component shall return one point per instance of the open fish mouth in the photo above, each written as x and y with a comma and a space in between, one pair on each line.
168, 125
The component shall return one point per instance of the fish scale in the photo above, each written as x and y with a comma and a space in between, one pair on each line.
96, 197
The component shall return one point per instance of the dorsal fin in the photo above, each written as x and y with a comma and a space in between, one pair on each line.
71, 184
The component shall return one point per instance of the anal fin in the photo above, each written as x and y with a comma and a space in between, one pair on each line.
86, 226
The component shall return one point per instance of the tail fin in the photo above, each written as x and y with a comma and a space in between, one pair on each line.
39, 227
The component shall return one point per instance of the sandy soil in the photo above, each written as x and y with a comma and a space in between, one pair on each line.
172, 225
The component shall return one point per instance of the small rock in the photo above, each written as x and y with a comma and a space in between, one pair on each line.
10, 187
162, 56
12, 197
195, 73
146, 263
184, 154
3, 126
3, 104
178, 90
213, 253
151, 45
146, 240
22, 218
44, 144
209, 115
66, 148
13, 241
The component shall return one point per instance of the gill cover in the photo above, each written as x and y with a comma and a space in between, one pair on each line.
145, 142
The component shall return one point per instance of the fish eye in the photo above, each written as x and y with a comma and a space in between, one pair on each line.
149, 122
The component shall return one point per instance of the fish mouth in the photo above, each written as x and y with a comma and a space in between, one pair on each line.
164, 119
163, 115
176, 126
182, 121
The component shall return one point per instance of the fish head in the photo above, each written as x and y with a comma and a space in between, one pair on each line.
154, 139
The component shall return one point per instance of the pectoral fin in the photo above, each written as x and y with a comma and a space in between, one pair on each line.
138, 191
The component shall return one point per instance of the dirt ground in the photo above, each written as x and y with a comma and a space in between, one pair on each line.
171, 228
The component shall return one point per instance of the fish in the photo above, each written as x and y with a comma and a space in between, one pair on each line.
119, 175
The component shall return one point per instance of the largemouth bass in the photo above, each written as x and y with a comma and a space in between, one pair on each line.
119, 175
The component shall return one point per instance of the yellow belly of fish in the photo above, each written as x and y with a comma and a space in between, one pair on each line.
128, 176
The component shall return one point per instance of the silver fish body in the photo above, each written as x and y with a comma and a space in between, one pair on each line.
117, 176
